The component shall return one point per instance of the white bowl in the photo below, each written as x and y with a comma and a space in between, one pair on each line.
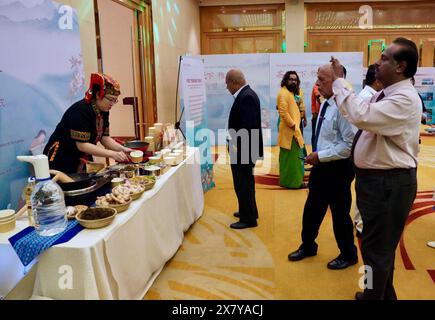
6, 215
172, 161
165, 151
178, 157
7, 224
154, 160
136, 156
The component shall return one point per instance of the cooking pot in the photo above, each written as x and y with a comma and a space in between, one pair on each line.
79, 181
137, 145
87, 196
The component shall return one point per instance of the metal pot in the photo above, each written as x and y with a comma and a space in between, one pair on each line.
137, 145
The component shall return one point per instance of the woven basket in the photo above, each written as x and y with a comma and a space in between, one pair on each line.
149, 185
120, 207
137, 195
145, 182
98, 223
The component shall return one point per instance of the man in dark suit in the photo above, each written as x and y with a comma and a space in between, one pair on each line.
245, 144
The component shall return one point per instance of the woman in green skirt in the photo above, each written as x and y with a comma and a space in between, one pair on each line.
290, 140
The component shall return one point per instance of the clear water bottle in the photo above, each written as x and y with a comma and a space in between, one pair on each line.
47, 199
48, 207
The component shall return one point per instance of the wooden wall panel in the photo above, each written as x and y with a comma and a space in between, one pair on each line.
242, 29
334, 27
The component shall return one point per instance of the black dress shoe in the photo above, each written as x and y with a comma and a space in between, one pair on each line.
300, 254
359, 296
339, 263
243, 225
236, 214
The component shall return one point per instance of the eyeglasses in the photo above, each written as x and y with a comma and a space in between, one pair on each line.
111, 100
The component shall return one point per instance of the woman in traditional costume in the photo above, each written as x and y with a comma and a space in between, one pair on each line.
83, 125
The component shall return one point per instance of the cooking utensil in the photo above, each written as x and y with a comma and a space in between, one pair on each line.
137, 145
76, 181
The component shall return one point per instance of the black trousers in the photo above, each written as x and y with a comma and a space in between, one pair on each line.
384, 200
329, 185
244, 186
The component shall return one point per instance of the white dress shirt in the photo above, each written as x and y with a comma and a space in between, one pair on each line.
336, 134
390, 126
367, 93
238, 91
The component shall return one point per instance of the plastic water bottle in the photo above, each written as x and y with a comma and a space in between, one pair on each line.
48, 207
47, 199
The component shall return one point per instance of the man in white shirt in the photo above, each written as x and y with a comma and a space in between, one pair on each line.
330, 180
372, 86
385, 153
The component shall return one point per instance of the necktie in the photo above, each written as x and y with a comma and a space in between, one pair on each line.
319, 125
359, 132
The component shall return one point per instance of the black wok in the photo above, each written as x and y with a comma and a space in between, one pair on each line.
137, 145
81, 181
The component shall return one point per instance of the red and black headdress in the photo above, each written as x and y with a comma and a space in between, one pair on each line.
104, 85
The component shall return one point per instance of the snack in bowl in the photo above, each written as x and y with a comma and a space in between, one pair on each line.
134, 190
93, 218
136, 156
72, 212
118, 201
147, 182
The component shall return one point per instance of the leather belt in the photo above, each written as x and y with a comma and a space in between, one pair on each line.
382, 172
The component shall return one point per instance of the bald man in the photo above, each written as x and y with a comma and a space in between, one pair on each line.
330, 179
245, 144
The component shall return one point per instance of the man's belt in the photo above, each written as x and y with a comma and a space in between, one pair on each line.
382, 172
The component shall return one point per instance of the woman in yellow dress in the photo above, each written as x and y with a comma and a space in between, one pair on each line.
290, 140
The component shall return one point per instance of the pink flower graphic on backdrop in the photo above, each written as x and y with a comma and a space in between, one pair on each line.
78, 78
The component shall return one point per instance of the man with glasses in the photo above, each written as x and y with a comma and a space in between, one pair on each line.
385, 152
84, 124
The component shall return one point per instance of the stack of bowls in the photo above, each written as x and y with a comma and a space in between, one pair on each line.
177, 156
179, 153
7, 220
165, 152
136, 156
155, 159
170, 161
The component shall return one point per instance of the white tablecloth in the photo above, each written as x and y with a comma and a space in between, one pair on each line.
122, 260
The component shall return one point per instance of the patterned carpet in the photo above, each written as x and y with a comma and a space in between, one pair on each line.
216, 262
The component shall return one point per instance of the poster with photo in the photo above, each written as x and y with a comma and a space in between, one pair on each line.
425, 85
195, 119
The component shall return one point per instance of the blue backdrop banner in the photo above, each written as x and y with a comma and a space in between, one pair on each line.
41, 75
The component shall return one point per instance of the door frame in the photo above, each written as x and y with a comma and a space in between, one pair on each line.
144, 71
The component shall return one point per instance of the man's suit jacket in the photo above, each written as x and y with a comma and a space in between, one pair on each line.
246, 114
